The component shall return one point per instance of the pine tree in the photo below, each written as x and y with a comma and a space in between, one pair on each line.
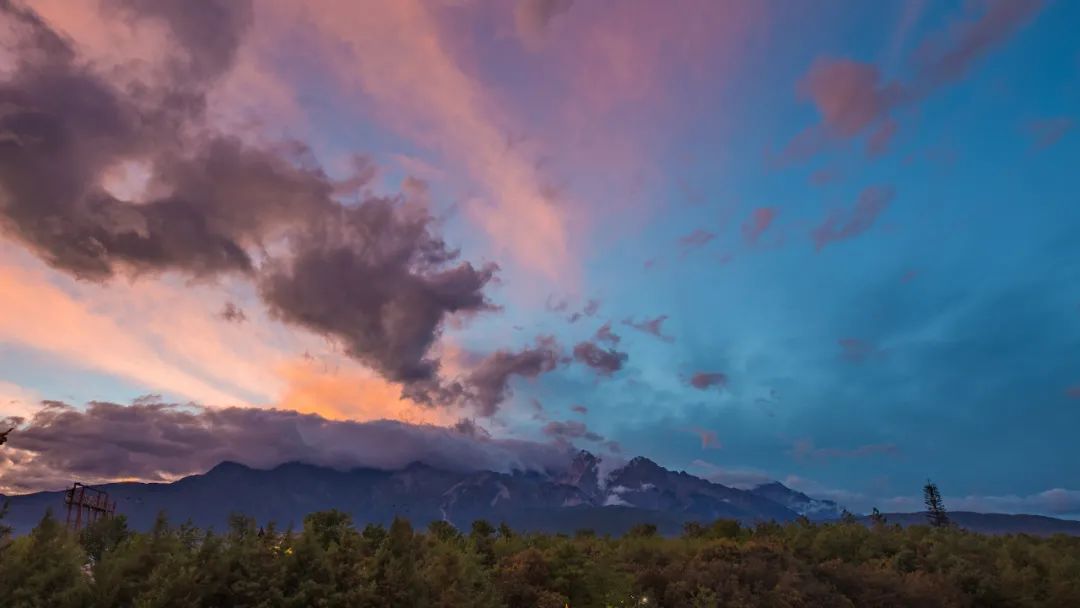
935, 507
878, 518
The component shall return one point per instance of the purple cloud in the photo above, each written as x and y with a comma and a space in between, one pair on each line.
488, 384
156, 441
569, 430
603, 362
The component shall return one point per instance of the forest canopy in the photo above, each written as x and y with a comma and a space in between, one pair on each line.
332, 562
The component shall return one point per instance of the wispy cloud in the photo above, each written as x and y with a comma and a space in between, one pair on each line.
653, 327
804, 449
841, 225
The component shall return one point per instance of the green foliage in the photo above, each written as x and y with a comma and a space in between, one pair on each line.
5, 530
44, 569
330, 563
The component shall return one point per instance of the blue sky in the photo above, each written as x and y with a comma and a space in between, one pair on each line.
931, 328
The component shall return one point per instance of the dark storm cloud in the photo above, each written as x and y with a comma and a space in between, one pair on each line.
376, 277
68, 126
488, 384
604, 362
373, 274
150, 440
64, 128
209, 31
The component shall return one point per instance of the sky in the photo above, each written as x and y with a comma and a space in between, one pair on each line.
829, 243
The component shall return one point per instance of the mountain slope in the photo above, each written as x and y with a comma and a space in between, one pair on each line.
814, 509
639, 492
993, 523
642, 491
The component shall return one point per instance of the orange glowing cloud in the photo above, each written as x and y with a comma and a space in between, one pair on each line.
40, 315
349, 392
173, 339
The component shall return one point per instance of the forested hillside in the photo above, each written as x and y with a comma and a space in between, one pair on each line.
330, 562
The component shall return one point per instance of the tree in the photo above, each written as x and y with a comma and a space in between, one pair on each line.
5, 530
505, 533
43, 569
693, 529
644, 530
482, 541
935, 507
877, 517
443, 530
103, 535
396, 579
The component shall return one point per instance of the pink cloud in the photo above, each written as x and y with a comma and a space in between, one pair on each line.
1073, 392
604, 334
949, 56
852, 97
708, 438
706, 380
760, 220
909, 276
1048, 131
533, 17
697, 238
396, 58
879, 140
856, 350
823, 177
842, 225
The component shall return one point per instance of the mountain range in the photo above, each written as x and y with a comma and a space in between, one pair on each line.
640, 491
